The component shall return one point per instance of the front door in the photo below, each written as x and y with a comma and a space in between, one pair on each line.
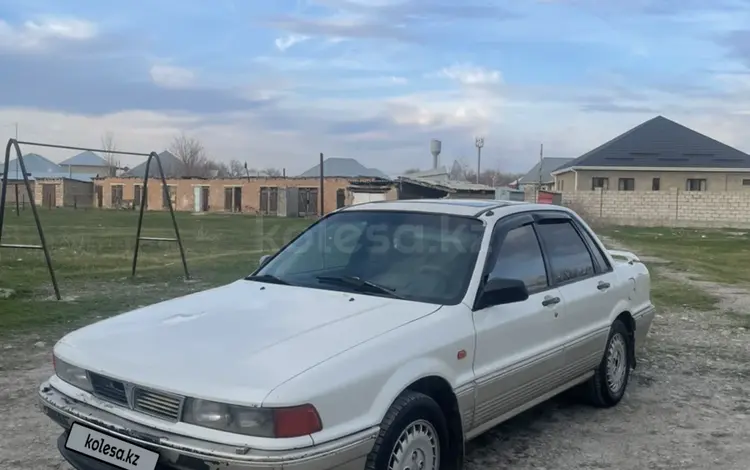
308, 201
137, 195
273, 201
519, 346
263, 201
204, 199
228, 199
197, 203
238, 199
48, 195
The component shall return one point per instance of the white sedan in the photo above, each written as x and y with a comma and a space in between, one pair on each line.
383, 337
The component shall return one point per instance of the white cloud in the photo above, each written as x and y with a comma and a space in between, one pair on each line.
170, 76
290, 135
286, 42
472, 75
134, 131
42, 33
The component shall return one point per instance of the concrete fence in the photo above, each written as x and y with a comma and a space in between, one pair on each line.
673, 208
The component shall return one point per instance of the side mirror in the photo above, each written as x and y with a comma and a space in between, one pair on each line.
263, 260
502, 291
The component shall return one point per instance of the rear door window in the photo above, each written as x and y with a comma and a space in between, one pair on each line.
569, 258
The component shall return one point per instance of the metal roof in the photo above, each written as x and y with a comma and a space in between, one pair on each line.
446, 185
82, 177
85, 159
173, 167
34, 164
660, 142
343, 168
547, 165
439, 173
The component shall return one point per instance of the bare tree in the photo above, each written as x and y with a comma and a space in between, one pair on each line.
271, 172
221, 169
458, 171
192, 155
109, 146
237, 169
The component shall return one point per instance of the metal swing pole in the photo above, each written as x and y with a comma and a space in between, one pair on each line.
3, 196
144, 198
30, 193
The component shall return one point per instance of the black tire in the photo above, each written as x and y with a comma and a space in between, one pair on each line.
598, 390
409, 407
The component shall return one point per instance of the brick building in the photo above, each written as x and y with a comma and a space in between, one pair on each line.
290, 196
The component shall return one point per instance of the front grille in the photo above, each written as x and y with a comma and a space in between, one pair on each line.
157, 404
108, 389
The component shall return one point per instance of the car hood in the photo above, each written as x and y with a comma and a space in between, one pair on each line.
234, 343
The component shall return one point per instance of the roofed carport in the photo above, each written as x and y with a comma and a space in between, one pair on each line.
423, 188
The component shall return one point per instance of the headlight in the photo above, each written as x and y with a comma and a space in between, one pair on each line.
73, 375
259, 422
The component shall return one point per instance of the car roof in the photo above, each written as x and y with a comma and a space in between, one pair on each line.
464, 207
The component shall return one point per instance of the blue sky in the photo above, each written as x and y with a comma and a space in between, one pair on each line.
274, 83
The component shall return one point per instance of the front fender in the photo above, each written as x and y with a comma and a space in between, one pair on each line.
354, 390
403, 377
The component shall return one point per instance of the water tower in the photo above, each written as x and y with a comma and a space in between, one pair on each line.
435, 148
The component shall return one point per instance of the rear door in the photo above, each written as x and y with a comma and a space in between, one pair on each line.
587, 286
519, 346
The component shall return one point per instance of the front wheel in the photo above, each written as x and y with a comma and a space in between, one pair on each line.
607, 387
413, 436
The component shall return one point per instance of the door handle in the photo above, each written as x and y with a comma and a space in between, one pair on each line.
602, 285
550, 301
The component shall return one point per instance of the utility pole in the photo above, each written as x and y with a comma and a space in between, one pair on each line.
479, 143
322, 194
541, 162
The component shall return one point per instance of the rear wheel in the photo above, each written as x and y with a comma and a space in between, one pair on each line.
607, 387
413, 436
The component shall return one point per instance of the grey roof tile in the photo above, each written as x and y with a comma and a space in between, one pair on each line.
173, 167
660, 142
86, 158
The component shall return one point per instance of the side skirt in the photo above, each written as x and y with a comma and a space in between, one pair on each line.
491, 424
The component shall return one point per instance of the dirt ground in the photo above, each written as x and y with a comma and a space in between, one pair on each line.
687, 406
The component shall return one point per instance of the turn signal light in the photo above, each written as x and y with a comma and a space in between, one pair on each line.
296, 421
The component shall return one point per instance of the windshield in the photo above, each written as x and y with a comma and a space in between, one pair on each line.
414, 256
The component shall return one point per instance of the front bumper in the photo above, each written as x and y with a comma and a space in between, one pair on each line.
178, 452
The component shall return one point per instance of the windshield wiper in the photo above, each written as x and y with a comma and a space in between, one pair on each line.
359, 285
269, 278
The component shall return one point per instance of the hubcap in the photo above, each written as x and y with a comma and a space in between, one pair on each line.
617, 363
417, 448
